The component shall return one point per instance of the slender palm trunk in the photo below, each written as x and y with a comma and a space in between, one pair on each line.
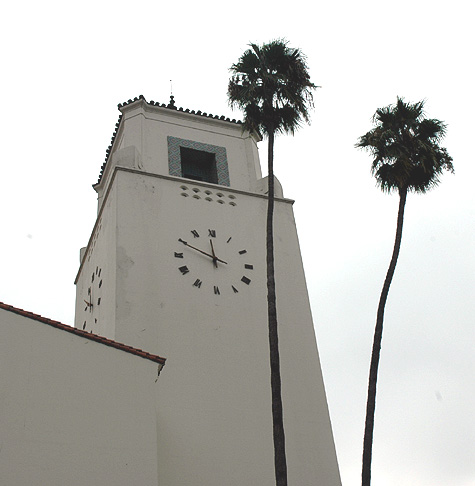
280, 462
378, 334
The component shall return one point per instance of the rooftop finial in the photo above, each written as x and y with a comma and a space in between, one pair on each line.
172, 98
172, 103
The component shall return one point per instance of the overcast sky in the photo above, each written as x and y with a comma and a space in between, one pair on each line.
67, 65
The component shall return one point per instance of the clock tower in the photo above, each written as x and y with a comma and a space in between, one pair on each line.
175, 266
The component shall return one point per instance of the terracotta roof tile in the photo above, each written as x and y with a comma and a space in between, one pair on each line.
170, 106
84, 334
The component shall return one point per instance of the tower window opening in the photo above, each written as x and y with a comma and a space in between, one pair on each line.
197, 161
198, 165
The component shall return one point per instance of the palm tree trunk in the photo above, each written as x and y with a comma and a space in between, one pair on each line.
378, 334
280, 462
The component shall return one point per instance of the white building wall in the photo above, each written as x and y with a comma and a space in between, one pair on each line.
215, 399
72, 411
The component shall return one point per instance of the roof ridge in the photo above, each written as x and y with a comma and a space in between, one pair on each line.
87, 335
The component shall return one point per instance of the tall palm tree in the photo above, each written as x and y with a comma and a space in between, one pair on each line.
406, 157
271, 84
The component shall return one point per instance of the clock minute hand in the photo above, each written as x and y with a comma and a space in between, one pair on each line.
194, 247
201, 251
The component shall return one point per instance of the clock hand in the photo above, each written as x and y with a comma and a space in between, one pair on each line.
194, 248
201, 251
215, 259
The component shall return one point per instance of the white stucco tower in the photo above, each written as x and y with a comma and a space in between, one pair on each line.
177, 189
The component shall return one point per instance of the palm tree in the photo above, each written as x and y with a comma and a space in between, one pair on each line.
271, 84
406, 157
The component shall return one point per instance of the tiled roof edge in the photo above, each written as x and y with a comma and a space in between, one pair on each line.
170, 106
84, 334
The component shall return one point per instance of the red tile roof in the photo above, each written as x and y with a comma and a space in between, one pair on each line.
84, 334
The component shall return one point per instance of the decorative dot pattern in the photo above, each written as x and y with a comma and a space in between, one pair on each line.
218, 197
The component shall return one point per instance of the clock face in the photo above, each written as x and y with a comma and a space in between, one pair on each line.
92, 300
213, 262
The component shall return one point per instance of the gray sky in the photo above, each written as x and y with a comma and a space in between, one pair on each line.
65, 68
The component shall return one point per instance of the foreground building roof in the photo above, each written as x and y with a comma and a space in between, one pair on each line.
86, 335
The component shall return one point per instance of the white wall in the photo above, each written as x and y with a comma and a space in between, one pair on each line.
215, 397
73, 411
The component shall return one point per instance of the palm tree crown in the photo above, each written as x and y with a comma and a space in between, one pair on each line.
405, 148
271, 84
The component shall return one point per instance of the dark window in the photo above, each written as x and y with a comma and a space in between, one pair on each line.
197, 161
198, 165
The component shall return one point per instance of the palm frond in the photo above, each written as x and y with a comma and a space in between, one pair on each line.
271, 84
405, 148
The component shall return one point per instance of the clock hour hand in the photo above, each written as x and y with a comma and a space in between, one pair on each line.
214, 258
